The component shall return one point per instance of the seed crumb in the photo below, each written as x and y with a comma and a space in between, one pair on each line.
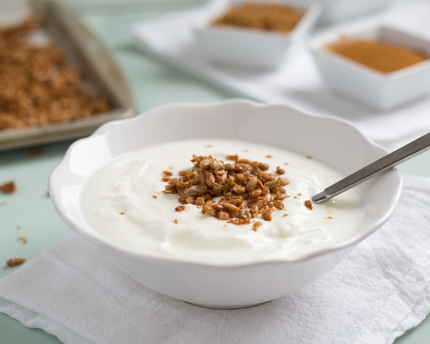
329, 217
280, 170
15, 261
232, 157
154, 196
23, 239
8, 188
18, 227
256, 225
308, 204
209, 146
245, 151
180, 208
285, 215
175, 221
285, 163
170, 168
122, 213
308, 157
35, 152
268, 156
299, 194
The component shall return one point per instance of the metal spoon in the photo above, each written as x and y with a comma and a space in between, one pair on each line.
375, 168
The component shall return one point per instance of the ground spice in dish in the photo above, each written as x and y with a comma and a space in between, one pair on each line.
269, 16
381, 56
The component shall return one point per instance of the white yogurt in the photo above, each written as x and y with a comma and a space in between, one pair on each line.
124, 203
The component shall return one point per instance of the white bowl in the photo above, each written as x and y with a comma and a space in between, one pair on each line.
368, 86
331, 140
246, 47
340, 10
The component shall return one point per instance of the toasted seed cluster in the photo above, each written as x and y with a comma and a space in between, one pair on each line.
15, 261
9, 187
308, 204
37, 86
245, 189
23, 239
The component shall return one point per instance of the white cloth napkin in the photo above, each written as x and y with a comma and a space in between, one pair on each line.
297, 82
380, 290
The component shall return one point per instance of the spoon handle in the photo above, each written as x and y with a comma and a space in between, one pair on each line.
387, 162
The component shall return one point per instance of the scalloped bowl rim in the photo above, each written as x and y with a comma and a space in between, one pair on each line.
94, 237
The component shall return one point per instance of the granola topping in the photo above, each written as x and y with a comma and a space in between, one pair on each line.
244, 190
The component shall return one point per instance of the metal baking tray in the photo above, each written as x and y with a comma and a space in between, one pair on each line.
82, 48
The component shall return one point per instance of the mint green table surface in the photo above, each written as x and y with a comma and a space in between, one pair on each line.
29, 211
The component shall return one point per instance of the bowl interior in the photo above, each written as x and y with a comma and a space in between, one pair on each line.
330, 140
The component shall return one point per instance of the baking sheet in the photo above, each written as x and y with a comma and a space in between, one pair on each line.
100, 73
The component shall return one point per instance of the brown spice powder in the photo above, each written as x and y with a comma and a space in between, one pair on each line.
381, 56
269, 16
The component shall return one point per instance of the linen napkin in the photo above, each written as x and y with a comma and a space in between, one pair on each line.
297, 82
72, 290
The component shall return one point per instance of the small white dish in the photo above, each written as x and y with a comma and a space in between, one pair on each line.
334, 11
222, 285
366, 85
247, 47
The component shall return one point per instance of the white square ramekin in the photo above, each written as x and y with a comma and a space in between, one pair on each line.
247, 47
366, 85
